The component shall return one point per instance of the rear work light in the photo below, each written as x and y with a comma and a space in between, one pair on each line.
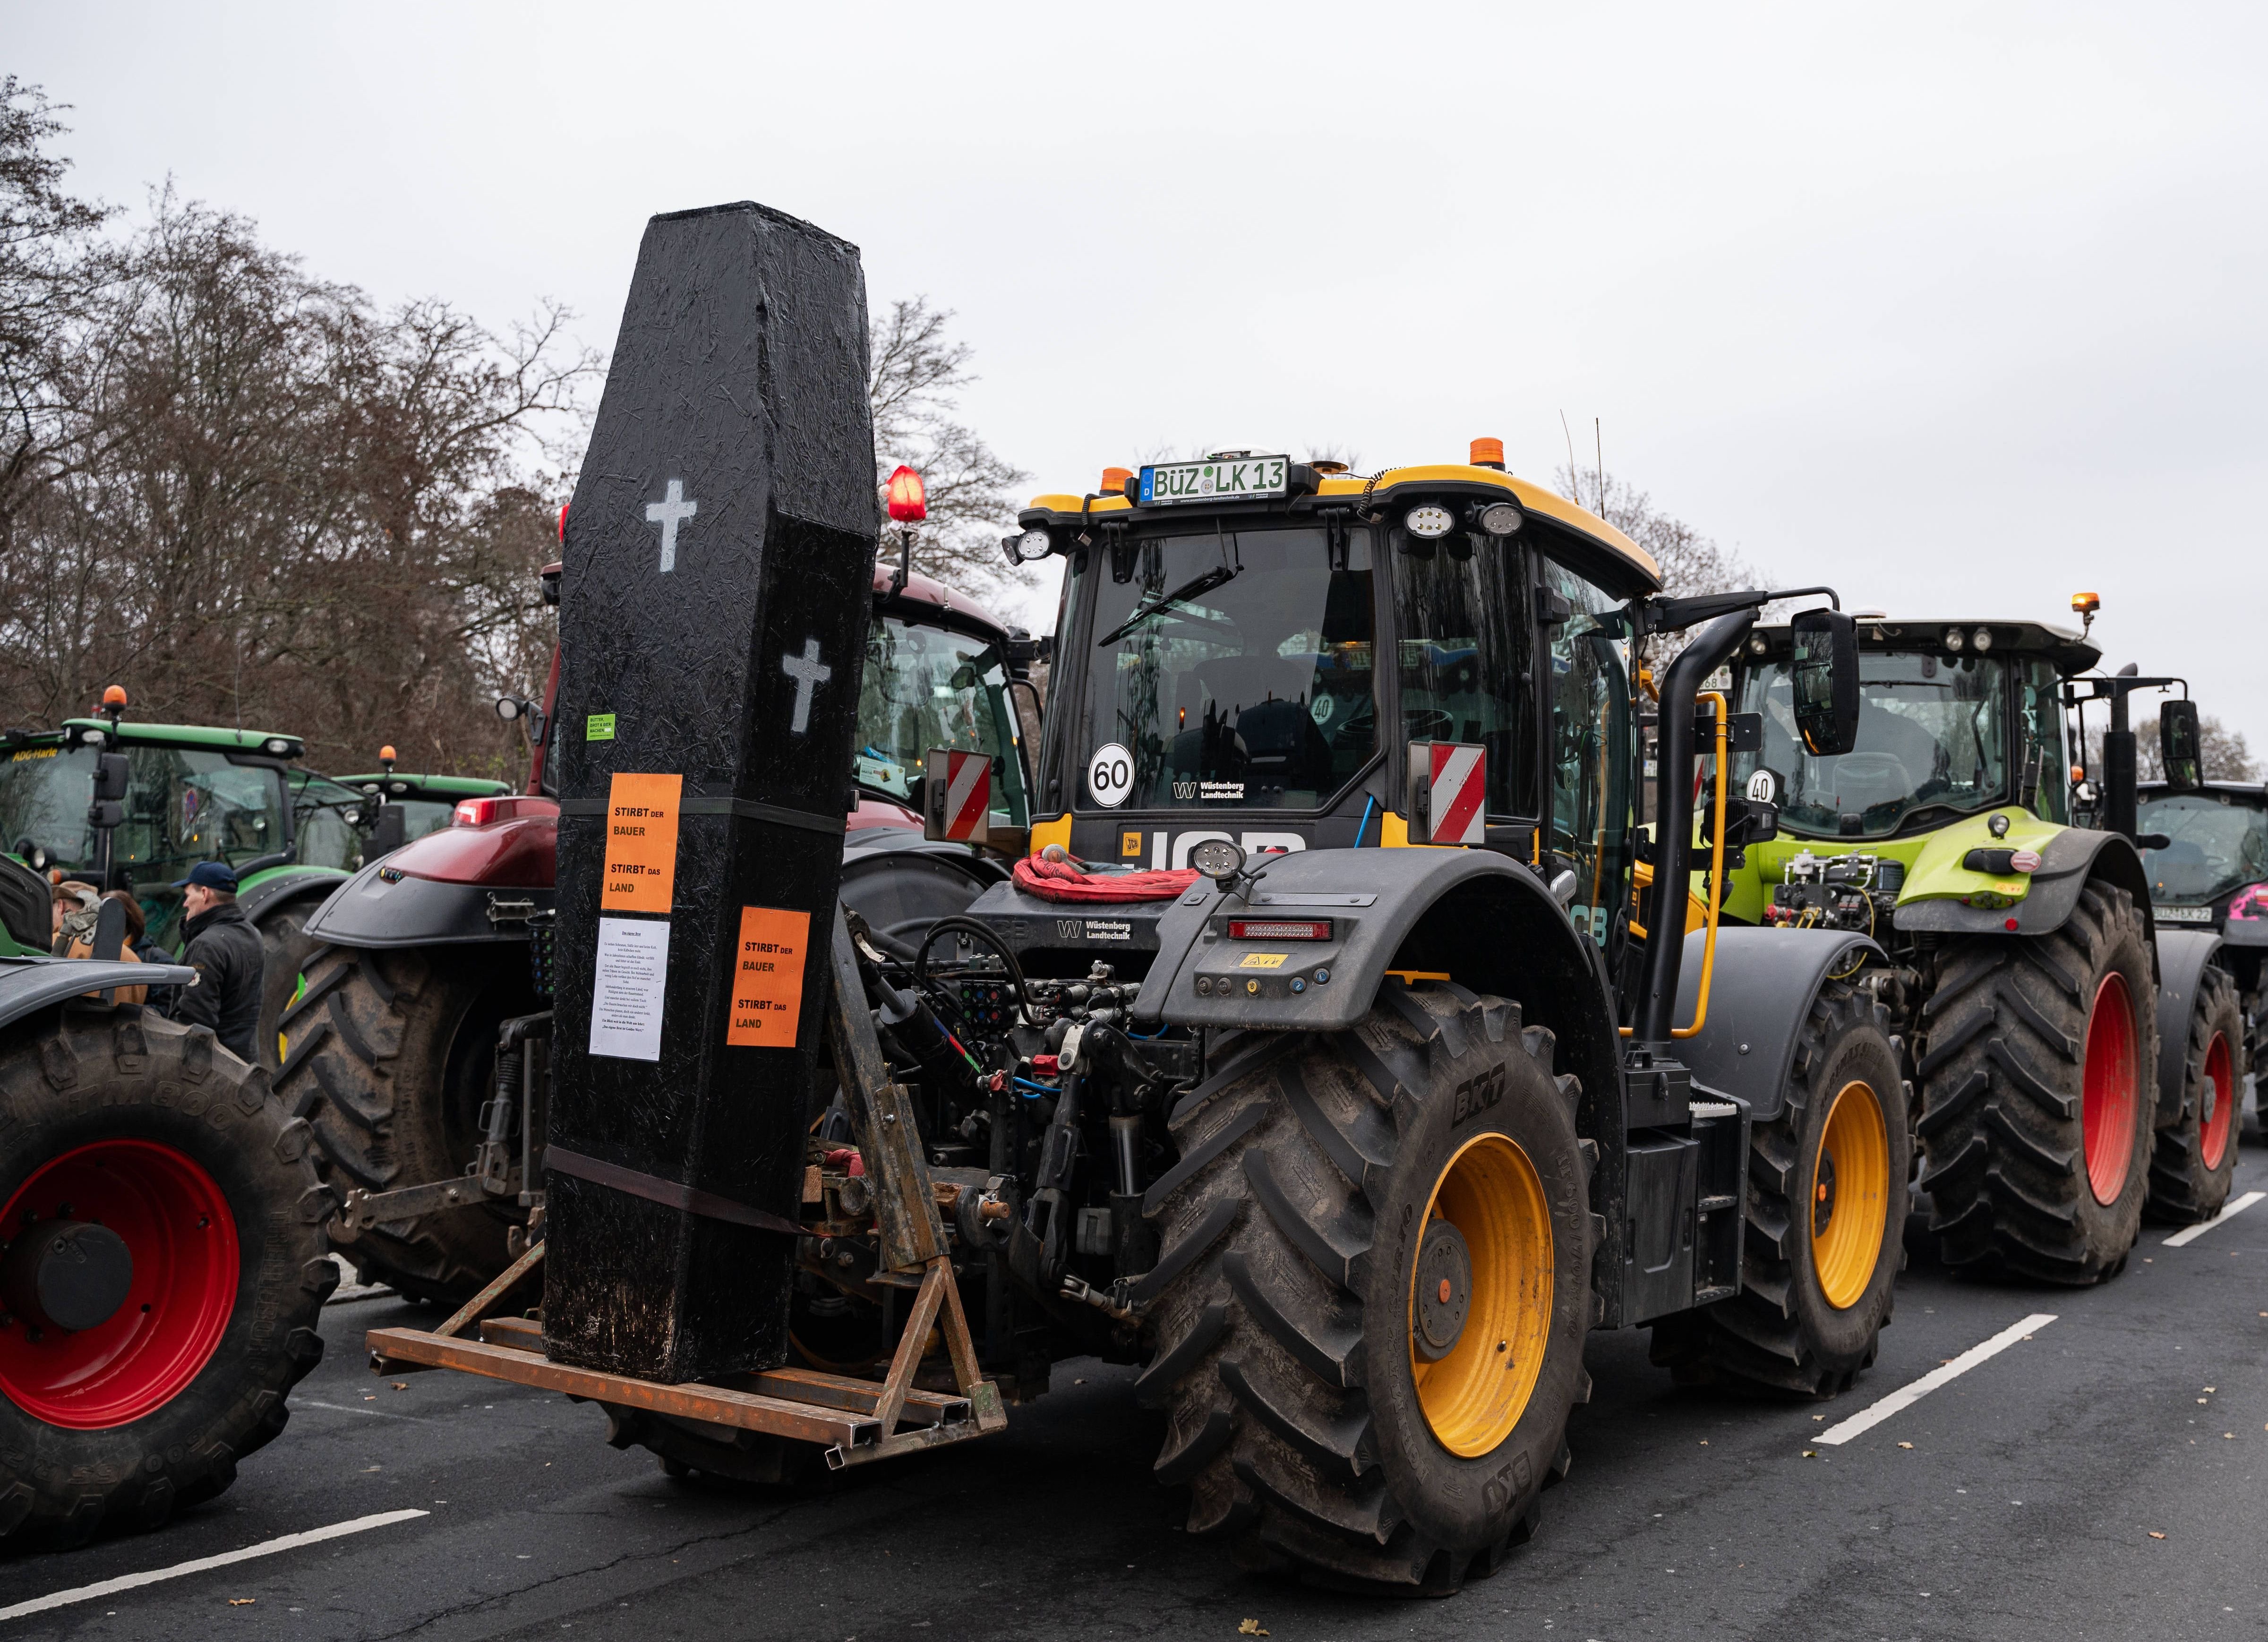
1279, 929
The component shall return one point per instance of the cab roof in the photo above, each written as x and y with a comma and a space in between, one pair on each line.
1629, 567
269, 743
2252, 792
2070, 652
926, 590
403, 784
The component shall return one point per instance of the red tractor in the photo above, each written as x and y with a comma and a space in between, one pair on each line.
429, 986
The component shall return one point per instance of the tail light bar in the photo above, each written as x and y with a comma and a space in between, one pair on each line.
1279, 929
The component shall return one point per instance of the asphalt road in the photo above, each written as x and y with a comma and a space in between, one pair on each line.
2022, 1499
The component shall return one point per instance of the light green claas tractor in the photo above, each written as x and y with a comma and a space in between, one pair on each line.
180, 794
2029, 987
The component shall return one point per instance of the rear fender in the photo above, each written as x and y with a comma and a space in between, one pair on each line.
2184, 956
380, 907
1762, 991
273, 891
28, 985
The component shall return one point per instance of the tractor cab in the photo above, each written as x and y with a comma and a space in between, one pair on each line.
1289, 657
184, 794
1958, 722
399, 805
2208, 862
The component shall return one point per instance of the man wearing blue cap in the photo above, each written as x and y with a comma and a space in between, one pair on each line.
224, 950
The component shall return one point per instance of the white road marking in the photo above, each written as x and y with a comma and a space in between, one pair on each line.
2229, 1212
1906, 1396
345, 1408
266, 1548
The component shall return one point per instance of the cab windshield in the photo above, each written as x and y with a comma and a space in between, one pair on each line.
1226, 670
2214, 845
1932, 735
327, 818
924, 688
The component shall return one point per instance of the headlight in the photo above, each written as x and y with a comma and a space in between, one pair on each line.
1955, 640
1982, 639
1756, 645
1502, 518
278, 745
1033, 544
510, 707
1429, 522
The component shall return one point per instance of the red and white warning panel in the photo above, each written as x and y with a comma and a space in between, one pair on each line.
959, 788
1448, 787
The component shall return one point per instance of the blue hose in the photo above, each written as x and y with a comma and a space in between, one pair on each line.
1364, 826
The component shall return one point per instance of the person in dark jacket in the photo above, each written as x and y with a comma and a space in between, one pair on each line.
224, 950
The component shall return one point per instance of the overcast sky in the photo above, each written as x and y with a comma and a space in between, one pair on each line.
1959, 307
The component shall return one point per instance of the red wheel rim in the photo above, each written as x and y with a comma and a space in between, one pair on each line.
2107, 1113
2218, 1118
176, 1224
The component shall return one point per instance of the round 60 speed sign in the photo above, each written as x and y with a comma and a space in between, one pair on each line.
1110, 775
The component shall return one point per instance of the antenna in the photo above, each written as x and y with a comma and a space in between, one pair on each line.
1599, 449
1574, 475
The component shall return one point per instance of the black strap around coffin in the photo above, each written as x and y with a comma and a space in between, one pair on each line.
670, 1194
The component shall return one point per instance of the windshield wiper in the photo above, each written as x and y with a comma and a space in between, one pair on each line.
1189, 589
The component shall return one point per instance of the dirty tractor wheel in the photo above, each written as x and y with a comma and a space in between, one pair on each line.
285, 947
1366, 1324
163, 1275
2194, 1161
2039, 1081
1827, 1203
390, 1057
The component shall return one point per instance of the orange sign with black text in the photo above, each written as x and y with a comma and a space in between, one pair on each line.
768, 977
641, 843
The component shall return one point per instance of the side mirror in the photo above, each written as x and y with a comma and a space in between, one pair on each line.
389, 834
1825, 672
110, 779
2180, 746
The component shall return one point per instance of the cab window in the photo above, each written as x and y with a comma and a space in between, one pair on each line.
1590, 749
1462, 606
2044, 790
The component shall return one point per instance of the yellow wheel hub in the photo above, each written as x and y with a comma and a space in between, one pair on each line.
1480, 1296
1849, 1195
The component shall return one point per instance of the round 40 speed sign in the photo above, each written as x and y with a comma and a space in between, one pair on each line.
1110, 775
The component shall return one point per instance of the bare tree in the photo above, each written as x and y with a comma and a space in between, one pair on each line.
2223, 753
1690, 562
267, 502
917, 376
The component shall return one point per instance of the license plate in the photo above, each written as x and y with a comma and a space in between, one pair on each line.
1224, 480
2184, 914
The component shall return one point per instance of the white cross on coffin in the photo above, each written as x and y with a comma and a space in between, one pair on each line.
674, 507
808, 671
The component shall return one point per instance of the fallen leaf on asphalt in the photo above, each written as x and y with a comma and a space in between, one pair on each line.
242, 1602
1704, 1442
1811, 1454
402, 1385
1906, 1445
2156, 1535
2200, 1399
1251, 1627
1819, 1417
2230, 1436
2211, 1387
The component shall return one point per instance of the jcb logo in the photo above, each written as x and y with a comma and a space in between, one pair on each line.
1477, 1094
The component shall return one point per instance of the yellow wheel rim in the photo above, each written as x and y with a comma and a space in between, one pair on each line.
1488, 1238
1849, 1195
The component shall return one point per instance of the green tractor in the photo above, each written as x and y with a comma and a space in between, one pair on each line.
2030, 988
404, 806
166, 797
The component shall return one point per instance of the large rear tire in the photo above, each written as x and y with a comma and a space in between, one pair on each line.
2040, 1077
285, 947
1366, 1324
120, 1130
391, 1055
2193, 1162
1826, 1208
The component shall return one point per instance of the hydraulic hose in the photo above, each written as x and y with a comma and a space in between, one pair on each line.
1672, 821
